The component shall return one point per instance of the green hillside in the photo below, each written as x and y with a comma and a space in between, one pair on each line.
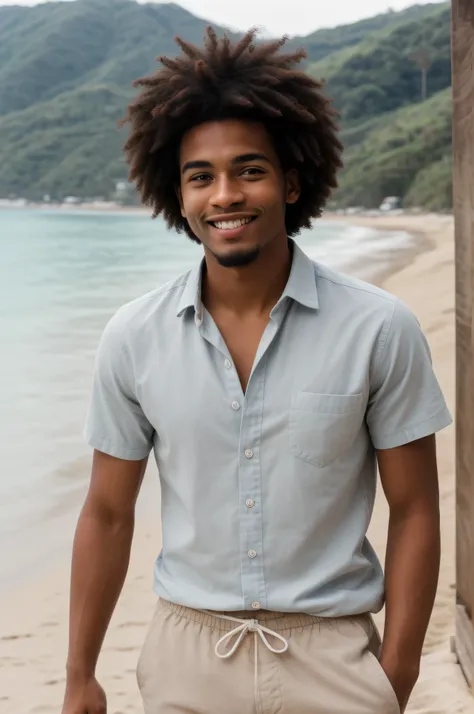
406, 153
381, 73
324, 42
66, 146
55, 47
395, 144
66, 70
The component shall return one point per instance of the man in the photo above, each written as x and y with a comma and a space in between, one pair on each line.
269, 387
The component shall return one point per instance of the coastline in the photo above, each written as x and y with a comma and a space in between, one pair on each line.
92, 207
423, 241
33, 620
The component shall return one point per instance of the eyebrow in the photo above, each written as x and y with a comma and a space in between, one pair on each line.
241, 159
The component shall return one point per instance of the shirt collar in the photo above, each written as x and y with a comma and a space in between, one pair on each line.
191, 296
301, 285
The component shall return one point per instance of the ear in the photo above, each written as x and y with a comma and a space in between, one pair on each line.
292, 186
180, 199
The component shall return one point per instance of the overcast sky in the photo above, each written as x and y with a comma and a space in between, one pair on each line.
279, 17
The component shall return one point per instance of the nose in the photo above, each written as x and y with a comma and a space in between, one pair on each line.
226, 193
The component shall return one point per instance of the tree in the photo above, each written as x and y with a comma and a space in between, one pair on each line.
423, 61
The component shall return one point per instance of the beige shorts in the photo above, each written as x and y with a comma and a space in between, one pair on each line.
288, 663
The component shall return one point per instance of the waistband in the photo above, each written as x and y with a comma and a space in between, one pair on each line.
277, 621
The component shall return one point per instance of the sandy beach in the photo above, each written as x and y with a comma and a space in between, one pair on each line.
34, 618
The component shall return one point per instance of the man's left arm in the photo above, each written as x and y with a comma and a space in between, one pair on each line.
406, 408
410, 481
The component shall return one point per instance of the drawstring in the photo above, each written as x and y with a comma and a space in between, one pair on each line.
240, 631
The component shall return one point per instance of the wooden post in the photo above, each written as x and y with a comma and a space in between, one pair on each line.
463, 177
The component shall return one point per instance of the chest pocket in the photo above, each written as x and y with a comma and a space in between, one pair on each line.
324, 426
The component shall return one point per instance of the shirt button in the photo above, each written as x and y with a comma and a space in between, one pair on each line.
249, 503
248, 453
255, 606
235, 406
252, 554
228, 364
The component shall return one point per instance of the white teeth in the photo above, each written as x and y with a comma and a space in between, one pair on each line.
228, 225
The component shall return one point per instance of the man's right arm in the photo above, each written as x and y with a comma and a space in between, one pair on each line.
100, 561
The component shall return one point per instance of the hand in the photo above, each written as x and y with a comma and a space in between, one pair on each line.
84, 696
402, 678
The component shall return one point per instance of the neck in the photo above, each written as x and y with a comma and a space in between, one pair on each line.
252, 289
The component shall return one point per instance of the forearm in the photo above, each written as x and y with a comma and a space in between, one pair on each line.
411, 577
100, 561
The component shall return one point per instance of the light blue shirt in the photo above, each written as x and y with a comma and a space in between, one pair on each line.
267, 495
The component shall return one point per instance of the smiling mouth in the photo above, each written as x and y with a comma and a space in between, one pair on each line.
231, 225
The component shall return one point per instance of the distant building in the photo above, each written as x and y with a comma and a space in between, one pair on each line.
125, 193
391, 203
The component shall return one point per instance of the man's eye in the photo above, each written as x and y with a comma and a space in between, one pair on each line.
201, 177
252, 171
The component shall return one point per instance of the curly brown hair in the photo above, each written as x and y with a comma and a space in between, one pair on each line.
242, 80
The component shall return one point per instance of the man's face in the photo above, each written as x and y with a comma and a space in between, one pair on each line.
233, 191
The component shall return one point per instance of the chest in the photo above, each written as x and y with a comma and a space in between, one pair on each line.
242, 339
216, 380
274, 396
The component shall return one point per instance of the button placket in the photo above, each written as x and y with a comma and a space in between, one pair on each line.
251, 534
233, 385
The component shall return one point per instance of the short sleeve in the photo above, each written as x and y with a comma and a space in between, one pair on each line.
115, 422
406, 402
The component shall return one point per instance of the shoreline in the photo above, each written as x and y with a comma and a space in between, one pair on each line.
95, 207
34, 648
422, 241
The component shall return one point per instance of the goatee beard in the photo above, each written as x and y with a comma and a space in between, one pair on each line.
239, 259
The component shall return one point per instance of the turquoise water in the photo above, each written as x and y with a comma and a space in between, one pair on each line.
62, 275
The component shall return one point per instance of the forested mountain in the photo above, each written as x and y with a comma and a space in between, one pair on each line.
324, 42
406, 153
393, 93
66, 70
57, 47
382, 72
